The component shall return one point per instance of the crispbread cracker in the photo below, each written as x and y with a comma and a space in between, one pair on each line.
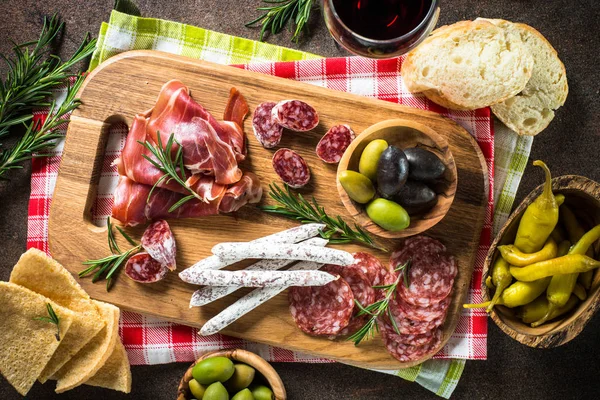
93, 355
40, 273
27, 344
116, 373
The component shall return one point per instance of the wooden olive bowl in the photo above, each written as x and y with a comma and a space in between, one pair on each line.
583, 197
244, 356
403, 134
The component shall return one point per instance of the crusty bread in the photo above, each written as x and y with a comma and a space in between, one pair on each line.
468, 65
530, 112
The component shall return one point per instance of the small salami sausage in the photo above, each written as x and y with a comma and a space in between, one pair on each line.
247, 278
291, 168
334, 143
322, 310
159, 242
267, 131
143, 268
295, 115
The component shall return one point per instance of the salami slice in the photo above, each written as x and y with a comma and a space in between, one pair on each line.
267, 131
359, 283
159, 242
426, 314
291, 168
322, 310
406, 348
431, 274
375, 271
295, 115
334, 143
386, 328
407, 326
143, 268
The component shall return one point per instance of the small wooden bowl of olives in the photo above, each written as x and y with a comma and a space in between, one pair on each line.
397, 178
237, 373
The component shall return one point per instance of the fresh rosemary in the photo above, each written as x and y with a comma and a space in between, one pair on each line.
33, 72
379, 307
107, 266
295, 206
164, 161
52, 319
279, 12
40, 136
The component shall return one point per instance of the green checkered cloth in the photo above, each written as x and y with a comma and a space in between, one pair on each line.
126, 32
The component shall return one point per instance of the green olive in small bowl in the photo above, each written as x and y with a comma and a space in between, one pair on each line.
403, 134
264, 378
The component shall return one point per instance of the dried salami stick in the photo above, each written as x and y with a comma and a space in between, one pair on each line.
247, 278
293, 235
208, 294
300, 252
249, 302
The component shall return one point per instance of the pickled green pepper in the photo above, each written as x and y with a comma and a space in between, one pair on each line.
517, 258
539, 219
576, 231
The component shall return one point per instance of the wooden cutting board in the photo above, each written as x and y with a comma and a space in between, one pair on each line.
130, 82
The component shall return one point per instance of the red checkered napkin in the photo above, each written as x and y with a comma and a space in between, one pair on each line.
152, 341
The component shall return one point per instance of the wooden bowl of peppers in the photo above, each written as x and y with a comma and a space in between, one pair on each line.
541, 283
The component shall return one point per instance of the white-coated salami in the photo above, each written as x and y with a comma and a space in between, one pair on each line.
267, 131
249, 302
247, 278
159, 242
208, 294
295, 115
143, 268
301, 252
291, 168
293, 235
322, 310
334, 143
432, 271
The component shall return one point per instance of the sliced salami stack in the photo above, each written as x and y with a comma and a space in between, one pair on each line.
419, 309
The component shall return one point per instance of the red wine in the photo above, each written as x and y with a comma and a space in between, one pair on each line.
382, 19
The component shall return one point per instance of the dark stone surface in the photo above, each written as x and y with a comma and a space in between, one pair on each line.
569, 146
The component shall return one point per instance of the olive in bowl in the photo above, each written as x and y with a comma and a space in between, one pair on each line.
398, 197
231, 374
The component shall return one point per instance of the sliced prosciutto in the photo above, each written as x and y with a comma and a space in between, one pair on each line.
132, 207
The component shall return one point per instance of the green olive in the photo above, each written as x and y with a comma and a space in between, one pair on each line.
216, 391
242, 378
245, 394
388, 215
197, 389
212, 370
358, 186
261, 392
370, 158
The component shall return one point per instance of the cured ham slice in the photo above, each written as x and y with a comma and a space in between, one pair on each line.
132, 207
235, 112
175, 106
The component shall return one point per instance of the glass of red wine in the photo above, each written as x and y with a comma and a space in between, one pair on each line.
380, 28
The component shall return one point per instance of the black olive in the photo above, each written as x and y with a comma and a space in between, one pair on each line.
416, 197
392, 172
424, 165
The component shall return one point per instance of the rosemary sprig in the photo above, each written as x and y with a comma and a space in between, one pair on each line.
52, 319
379, 307
40, 136
33, 73
169, 166
279, 13
295, 206
107, 266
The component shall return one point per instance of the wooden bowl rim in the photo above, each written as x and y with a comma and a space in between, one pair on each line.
244, 356
558, 334
416, 227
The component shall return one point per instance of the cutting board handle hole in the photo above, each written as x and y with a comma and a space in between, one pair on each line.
105, 176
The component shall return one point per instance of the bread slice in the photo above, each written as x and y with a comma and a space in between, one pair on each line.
41, 274
116, 372
27, 343
530, 112
468, 65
